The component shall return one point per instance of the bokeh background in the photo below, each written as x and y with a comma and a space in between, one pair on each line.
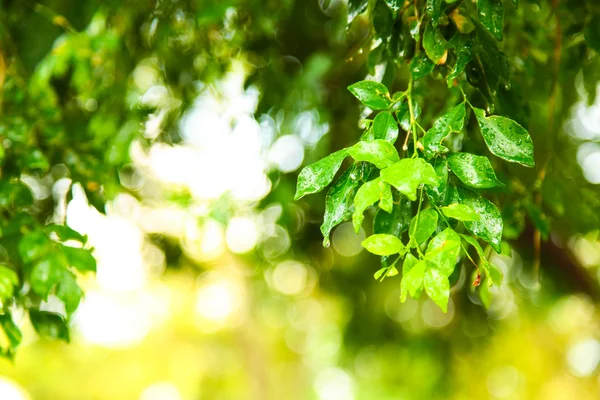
212, 283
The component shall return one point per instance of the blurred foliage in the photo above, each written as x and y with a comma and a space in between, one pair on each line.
82, 79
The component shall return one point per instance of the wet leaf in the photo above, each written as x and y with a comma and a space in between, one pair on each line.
385, 127
379, 152
315, 177
396, 221
435, 45
452, 121
437, 287
340, 197
369, 193
421, 66
423, 225
474, 171
490, 224
413, 272
383, 245
443, 251
407, 174
491, 16
434, 10
506, 138
461, 212
372, 94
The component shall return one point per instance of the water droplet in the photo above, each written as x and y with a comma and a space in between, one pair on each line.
507, 86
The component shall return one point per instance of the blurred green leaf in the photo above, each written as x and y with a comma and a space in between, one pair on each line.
49, 325
383, 245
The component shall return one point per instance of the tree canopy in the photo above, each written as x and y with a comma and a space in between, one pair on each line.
445, 132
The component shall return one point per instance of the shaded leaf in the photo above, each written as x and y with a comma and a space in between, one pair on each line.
483, 262
385, 127
11, 330
437, 193
435, 45
421, 66
69, 292
44, 275
81, 259
369, 193
385, 272
403, 114
434, 10
340, 197
452, 121
413, 272
49, 325
8, 281
491, 16
397, 221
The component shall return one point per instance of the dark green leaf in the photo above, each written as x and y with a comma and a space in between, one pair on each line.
491, 15
434, 10
407, 174
421, 66
435, 45
505, 138
383, 245
382, 20
437, 287
11, 330
340, 197
474, 171
489, 226
438, 193
81, 259
8, 281
397, 221
372, 94
460, 212
452, 121
356, 7
315, 177
65, 233
403, 114
422, 226
49, 325
463, 47
379, 152
385, 127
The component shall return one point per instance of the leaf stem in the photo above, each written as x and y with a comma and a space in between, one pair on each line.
412, 239
411, 111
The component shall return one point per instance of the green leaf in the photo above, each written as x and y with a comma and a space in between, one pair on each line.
396, 221
437, 193
506, 138
489, 226
382, 20
372, 94
69, 292
315, 177
434, 10
421, 66
34, 245
491, 16
460, 212
385, 272
407, 174
474, 171
452, 121
49, 325
437, 287
65, 233
340, 197
45, 274
435, 45
8, 281
369, 193
423, 225
495, 274
463, 48
385, 127
591, 31
383, 245
443, 251
403, 114
379, 152
81, 259
483, 262
413, 272
12, 332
